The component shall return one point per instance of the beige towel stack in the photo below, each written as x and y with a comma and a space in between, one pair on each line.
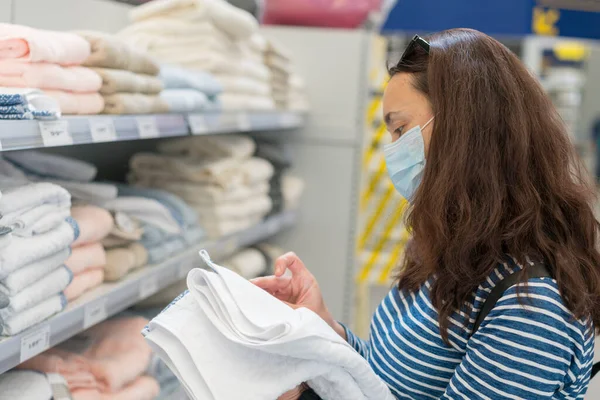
215, 175
129, 77
210, 36
123, 253
278, 62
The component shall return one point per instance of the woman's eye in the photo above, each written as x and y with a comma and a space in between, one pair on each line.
399, 130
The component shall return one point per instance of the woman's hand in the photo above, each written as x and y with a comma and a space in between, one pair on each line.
293, 394
299, 290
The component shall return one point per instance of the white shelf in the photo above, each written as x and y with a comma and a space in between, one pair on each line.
112, 298
74, 130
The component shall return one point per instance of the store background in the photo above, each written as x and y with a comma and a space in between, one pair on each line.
349, 228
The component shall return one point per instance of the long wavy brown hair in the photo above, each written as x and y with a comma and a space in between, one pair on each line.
501, 178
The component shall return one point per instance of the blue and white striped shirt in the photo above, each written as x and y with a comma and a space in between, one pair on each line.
524, 349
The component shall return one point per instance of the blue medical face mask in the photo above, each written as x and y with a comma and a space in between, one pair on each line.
405, 160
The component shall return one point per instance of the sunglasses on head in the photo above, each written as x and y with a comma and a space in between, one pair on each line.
417, 41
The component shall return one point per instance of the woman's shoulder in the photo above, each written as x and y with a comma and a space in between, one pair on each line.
535, 305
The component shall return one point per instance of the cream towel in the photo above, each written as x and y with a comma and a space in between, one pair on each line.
260, 205
242, 102
118, 80
49, 76
235, 146
146, 210
219, 228
207, 195
36, 45
160, 32
134, 103
108, 51
248, 263
77, 103
44, 288
225, 172
244, 85
120, 261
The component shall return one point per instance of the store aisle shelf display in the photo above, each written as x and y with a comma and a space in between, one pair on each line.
74, 130
109, 299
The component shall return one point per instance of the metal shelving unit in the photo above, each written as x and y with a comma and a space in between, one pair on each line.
112, 298
75, 130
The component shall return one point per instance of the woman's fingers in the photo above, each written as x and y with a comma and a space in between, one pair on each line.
292, 262
279, 287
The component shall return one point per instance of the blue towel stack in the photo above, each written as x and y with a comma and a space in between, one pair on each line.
16, 106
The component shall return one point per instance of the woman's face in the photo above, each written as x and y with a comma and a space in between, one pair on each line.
404, 107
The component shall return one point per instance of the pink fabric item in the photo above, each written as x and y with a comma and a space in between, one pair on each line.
143, 388
86, 256
327, 13
48, 76
24, 43
95, 224
74, 368
77, 103
83, 282
119, 353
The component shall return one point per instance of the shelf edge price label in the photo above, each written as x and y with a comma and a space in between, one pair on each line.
35, 342
94, 313
147, 127
198, 124
103, 130
243, 122
148, 286
55, 133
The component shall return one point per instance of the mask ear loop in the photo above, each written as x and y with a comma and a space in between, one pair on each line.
427, 123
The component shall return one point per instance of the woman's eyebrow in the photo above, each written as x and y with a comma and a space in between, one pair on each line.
392, 115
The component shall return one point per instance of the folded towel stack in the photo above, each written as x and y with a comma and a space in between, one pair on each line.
108, 361
48, 60
88, 257
216, 175
189, 91
210, 36
32, 272
72, 174
297, 98
237, 329
279, 63
285, 190
27, 103
169, 225
32, 385
129, 82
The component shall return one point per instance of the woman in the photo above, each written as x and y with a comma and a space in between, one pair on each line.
500, 190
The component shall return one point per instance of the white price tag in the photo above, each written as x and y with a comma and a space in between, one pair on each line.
147, 127
243, 121
55, 133
35, 342
148, 287
94, 313
197, 124
103, 130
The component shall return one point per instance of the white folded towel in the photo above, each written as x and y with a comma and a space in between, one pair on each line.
185, 100
46, 287
31, 273
258, 205
39, 219
17, 200
25, 385
19, 322
234, 146
146, 210
226, 327
52, 165
23, 251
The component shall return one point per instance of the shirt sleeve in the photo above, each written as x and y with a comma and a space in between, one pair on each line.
526, 350
360, 345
